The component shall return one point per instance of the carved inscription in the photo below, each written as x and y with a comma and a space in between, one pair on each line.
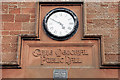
60, 56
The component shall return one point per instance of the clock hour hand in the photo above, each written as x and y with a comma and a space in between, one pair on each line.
58, 23
63, 26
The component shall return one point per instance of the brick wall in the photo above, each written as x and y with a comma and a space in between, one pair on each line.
19, 18
102, 19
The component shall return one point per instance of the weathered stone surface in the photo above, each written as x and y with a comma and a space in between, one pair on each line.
101, 19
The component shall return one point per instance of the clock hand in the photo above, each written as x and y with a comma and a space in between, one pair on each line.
63, 26
55, 20
58, 23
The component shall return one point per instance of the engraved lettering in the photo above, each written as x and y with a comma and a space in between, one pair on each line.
60, 56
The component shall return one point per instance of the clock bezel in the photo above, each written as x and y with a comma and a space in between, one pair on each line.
59, 38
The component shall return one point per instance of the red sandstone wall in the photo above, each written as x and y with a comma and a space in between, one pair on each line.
102, 19
19, 18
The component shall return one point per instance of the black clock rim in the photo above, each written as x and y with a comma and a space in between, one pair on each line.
68, 36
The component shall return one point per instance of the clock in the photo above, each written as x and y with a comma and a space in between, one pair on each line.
60, 24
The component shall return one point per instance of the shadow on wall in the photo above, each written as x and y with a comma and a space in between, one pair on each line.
119, 36
119, 30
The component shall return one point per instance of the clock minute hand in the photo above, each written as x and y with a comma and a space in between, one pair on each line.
58, 23
55, 20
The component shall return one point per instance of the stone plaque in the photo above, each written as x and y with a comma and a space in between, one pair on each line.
60, 74
66, 55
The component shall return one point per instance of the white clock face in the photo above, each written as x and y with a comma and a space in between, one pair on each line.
60, 24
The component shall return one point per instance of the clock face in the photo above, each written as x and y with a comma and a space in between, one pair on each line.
60, 24
64, 23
